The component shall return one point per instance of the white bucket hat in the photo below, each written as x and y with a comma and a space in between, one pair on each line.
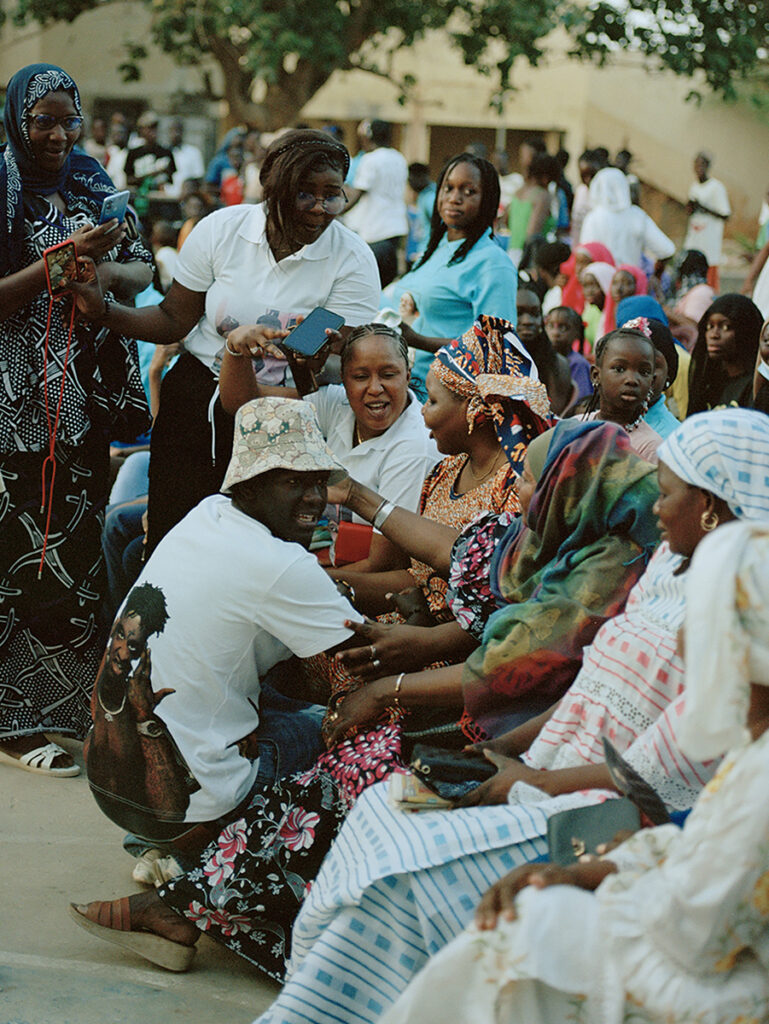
278, 433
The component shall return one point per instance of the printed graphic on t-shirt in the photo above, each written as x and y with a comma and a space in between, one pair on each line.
268, 370
131, 757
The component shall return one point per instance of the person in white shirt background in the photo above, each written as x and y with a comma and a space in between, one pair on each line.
708, 210
377, 207
188, 158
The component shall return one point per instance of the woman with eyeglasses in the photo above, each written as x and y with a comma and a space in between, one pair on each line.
263, 264
67, 387
462, 273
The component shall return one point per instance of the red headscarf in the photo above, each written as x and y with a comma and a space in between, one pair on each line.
609, 319
572, 291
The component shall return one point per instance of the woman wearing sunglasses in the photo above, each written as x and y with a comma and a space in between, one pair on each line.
67, 387
266, 264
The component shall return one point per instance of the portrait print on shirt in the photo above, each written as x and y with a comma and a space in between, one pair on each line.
131, 756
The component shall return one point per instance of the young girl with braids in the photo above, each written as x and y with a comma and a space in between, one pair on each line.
622, 379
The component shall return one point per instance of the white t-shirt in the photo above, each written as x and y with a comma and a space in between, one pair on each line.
239, 600
189, 164
704, 231
380, 212
394, 464
227, 256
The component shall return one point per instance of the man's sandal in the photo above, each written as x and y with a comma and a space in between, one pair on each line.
40, 760
111, 920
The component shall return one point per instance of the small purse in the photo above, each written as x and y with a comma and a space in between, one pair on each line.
449, 773
580, 830
353, 541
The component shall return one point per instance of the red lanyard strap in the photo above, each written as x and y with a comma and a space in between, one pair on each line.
53, 427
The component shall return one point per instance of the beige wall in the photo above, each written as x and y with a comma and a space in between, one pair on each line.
620, 106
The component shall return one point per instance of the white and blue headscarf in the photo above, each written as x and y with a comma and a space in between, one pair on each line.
82, 181
725, 452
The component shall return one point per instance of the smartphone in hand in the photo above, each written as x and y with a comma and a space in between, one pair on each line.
309, 337
60, 267
114, 206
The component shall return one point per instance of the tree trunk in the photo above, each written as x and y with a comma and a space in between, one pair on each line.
284, 99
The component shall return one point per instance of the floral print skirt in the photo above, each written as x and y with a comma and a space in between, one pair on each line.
249, 884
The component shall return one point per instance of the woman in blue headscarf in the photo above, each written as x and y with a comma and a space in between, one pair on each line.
68, 388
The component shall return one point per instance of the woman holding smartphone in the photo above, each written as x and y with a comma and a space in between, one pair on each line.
372, 422
68, 388
267, 264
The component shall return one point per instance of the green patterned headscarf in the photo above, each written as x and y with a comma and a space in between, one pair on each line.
591, 531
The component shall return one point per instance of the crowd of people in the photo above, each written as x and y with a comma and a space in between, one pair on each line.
502, 523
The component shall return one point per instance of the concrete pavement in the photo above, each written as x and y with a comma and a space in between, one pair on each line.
56, 847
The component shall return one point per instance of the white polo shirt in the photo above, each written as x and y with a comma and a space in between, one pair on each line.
227, 256
394, 464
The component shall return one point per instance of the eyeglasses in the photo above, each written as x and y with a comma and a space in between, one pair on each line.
331, 204
45, 122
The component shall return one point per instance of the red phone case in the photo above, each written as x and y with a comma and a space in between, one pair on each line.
59, 271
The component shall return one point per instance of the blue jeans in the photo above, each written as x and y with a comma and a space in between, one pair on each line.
289, 735
121, 542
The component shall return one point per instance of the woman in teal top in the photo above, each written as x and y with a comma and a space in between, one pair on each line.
463, 272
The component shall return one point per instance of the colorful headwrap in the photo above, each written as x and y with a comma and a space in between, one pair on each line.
590, 529
490, 366
82, 181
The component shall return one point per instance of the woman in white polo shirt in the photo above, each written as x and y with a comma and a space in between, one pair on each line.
247, 264
373, 423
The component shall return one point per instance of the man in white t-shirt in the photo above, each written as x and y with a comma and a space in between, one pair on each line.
377, 208
188, 159
178, 744
708, 210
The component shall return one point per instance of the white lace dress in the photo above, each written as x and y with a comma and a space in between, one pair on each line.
395, 888
679, 936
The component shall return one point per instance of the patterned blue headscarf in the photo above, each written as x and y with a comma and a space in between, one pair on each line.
725, 452
82, 182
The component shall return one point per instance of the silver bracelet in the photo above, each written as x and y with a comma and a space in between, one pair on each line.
382, 513
232, 351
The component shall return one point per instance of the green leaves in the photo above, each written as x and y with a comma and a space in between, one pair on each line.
295, 45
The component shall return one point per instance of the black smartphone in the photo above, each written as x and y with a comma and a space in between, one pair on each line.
309, 337
60, 267
114, 206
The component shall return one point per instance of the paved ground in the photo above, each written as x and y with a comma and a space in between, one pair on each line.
57, 847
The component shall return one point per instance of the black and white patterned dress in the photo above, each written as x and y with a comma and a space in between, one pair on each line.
51, 640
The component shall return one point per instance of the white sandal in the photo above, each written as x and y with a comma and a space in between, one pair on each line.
40, 760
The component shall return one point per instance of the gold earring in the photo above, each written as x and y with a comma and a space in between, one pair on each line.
708, 521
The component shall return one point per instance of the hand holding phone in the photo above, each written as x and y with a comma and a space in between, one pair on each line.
309, 337
61, 268
114, 206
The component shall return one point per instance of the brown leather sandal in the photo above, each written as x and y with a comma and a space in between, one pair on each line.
111, 920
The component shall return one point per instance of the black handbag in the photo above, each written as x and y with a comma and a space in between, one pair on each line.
580, 830
449, 773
